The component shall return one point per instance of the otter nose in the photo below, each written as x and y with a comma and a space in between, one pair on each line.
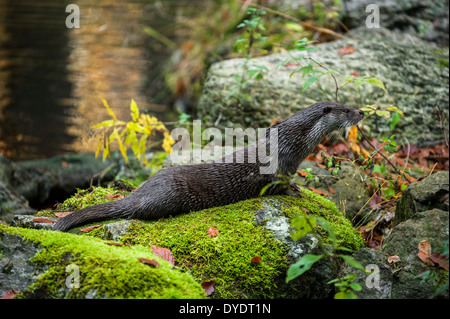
361, 113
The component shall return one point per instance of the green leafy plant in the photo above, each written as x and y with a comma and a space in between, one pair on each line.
251, 32
304, 225
132, 134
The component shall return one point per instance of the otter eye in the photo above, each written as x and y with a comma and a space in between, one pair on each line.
347, 111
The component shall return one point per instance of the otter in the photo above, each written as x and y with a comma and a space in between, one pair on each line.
183, 189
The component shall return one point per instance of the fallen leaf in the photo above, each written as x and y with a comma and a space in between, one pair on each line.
425, 258
90, 228
332, 191
43, 220
212, 232
10, 294
62, 214
393, 259
164, 253
256, 259
116, 244
149, 262
346, 50
302, 173
291, 64
375, 202
318, 191
439, 259
321, 165
208, 286
111, 196
354, 73
425, 247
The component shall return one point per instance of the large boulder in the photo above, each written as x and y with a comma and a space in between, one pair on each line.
258, 227
47, 264
427, 20
431, 192
415, 75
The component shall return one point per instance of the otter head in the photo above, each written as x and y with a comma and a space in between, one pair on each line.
336, 116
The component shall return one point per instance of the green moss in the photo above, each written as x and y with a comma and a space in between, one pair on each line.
109, 271
226, 259
321, 207
84, 198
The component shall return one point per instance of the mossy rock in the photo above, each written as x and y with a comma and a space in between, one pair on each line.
227, 258
105, 271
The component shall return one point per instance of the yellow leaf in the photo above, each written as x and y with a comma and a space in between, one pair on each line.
134, 111
168, 142
123, 150
110, 112
106, 123
106, 150
99, 146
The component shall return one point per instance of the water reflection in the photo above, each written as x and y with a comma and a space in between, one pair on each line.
52, 77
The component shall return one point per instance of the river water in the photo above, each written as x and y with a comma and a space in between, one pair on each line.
52, 77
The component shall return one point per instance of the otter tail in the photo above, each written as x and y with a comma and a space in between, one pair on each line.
109, 210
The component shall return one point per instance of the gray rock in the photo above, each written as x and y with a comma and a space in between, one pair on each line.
27, 221
397, 280
413, 75
16, 270
427, 20
431, 192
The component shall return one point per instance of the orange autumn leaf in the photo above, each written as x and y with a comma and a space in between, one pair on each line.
302, 173
393, 259
332, 191
256, 259
90, 228
62, 214
321, 165
164, 253
43, 220
212, 232
346, 50
318, 191
149, 262
111, 196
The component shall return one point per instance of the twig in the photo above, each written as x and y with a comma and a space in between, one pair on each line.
302, 23
396, 169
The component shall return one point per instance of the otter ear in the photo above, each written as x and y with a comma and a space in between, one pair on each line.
327, 109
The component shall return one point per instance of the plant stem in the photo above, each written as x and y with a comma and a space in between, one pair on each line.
378, 151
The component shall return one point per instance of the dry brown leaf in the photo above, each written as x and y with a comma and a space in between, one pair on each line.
346, 50
393, 259
9, 294
332, 191
425, 247
256, 259
212, 232
302, 173
208, 286
90, 228
111, 196
62, 214
149, 262
439, 259
321, 165
318, 191
164, 253
43, 220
